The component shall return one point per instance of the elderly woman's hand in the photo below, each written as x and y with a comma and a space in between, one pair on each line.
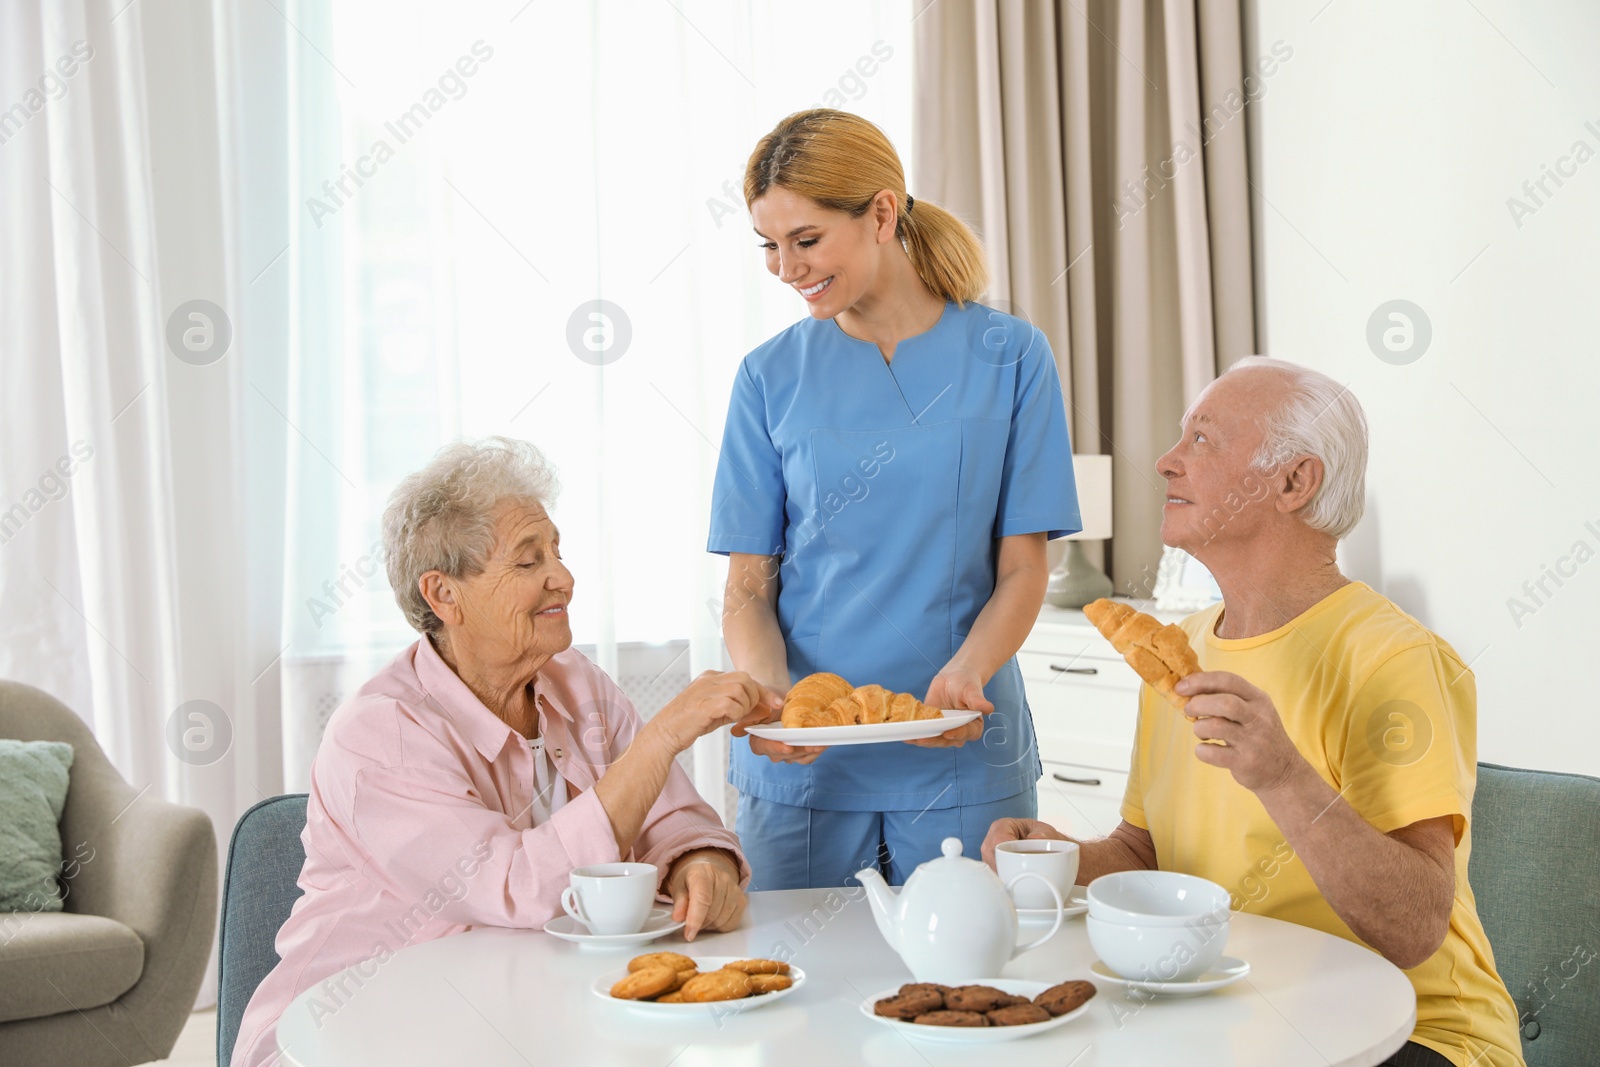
704, 886
713, 700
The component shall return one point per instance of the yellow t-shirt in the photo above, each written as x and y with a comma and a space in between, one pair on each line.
1387, 713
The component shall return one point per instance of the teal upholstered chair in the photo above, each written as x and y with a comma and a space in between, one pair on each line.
264, 861
1535, 871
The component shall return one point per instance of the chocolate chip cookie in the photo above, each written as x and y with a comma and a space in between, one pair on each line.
909, 1005
1068, 996
952, 1018
978, 998
1019, 1014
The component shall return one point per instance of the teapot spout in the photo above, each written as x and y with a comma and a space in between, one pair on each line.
885, 905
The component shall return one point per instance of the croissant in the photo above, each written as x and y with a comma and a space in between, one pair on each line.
811, 698
873, 700
1161, 655
829, 700
907, 708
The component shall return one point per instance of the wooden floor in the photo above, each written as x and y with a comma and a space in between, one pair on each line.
197, 1045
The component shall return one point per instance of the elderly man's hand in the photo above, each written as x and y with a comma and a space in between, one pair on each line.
1004, 830
704, 886
1256, 748
712, 700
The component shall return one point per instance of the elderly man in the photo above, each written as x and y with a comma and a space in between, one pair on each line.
463, 784
1323, 769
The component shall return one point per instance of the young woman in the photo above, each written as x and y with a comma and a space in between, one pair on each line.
891, 469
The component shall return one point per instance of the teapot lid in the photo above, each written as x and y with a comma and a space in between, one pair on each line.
953, 863
952, 857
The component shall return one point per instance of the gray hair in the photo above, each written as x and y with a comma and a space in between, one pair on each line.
1320, 418
442, 517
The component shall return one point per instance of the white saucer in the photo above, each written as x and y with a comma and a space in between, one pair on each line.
1077, 903
659, 924
1226, 971
876, 733
976, 1035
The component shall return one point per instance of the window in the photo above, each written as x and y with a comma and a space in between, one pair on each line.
470, 179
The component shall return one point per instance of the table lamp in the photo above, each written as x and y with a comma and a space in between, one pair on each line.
1077, 581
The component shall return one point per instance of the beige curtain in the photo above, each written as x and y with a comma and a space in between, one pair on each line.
1098, 146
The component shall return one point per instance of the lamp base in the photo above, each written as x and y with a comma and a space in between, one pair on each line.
1077, 581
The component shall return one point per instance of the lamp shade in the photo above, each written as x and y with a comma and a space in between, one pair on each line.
1093, 475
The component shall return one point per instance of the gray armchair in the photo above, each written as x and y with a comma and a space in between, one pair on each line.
111, 979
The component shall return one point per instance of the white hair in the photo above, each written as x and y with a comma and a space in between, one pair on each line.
442, 517
1319, 418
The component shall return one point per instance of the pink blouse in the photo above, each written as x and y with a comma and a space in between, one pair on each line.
419, 823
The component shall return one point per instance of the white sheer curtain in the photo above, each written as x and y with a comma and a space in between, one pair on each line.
185, 522
135, 585
468, 181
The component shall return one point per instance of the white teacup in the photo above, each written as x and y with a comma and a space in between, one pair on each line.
611, 898
1055, 861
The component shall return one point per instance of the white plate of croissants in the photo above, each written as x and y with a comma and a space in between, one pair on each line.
824, 709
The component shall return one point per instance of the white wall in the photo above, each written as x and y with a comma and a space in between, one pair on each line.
1385, 152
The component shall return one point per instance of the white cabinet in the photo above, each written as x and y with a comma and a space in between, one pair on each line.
1085, 701
1081, 801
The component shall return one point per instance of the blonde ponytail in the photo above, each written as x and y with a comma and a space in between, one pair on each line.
841, 161
945, 252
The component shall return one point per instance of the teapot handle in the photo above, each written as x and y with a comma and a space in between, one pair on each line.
1060, 910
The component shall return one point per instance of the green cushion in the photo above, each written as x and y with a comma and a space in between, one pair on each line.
1535, 871
33, 792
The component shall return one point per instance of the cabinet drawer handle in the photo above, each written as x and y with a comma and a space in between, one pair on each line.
1075, 781
1074, 670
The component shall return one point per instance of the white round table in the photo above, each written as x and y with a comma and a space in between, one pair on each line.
512, 998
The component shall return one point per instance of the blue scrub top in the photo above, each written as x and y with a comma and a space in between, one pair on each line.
883, 488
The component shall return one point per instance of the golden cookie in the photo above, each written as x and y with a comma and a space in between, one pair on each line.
646, 983
716, 985
683, 977
671, 998
758, 966
675, 960
769, 983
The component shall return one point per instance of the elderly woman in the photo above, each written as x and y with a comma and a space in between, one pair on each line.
462, 785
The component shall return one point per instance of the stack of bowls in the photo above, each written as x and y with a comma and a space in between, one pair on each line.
1157, 926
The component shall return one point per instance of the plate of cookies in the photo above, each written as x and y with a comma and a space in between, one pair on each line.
672, 984
998, 1009
825, 709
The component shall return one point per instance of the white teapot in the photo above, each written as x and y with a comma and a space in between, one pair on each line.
954, 920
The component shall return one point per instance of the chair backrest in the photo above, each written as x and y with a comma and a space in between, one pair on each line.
264, 861
95, 793
1535, 871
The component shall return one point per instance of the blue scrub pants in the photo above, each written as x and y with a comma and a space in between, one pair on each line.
810, 848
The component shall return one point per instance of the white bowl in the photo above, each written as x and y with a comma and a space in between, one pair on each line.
1157, 898
1157, 953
